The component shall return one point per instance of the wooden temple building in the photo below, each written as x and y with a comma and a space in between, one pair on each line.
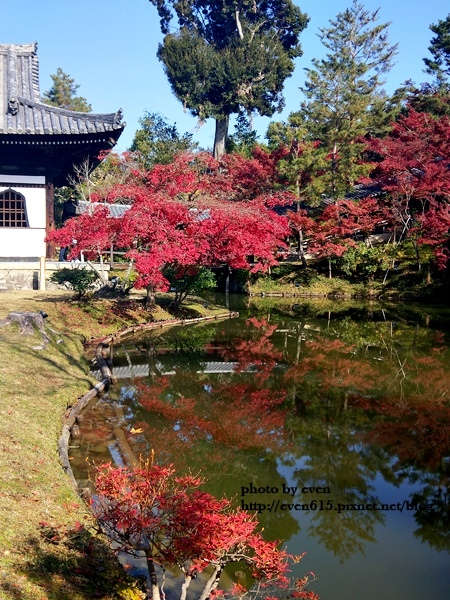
40, 146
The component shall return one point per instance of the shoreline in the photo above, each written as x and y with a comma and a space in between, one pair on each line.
106, 342
49, 547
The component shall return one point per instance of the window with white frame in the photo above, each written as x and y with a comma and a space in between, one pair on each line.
13, 211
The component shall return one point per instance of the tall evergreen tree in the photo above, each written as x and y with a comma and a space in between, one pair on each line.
439, 64
344, 96
244, 138
63, 93
157, 141
302, 162
434, 97
228, 55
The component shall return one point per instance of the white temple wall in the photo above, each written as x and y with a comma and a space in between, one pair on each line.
25, 242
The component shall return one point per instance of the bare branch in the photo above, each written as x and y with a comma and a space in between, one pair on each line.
239, 25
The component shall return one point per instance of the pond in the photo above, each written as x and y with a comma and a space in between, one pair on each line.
332, 421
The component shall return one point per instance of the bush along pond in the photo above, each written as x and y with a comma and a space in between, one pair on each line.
330, 423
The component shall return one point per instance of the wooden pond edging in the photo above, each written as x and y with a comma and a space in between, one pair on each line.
103, 344
129, 331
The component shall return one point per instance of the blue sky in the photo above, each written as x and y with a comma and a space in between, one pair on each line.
109, 48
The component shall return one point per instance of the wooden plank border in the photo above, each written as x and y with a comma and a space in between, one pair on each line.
102, 347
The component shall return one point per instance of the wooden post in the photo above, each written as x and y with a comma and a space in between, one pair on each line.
42, 273
50, 216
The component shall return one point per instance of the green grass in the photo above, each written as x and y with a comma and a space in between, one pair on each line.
405, 284
310, 284
36, 387
48, 546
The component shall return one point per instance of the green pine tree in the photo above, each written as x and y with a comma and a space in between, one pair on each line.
434, 97
304, 161
344, 98
229, 56
63, 93
157, 141
439, 64
244, 138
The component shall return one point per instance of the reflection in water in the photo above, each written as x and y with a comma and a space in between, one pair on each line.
292, 398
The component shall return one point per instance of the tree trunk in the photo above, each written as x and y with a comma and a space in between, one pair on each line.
227, 280
220, 137
150, 299
300, 249
334, 170
155, 595
212, 583
419, 263
184, 587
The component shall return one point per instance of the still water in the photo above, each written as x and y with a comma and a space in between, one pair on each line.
330, 420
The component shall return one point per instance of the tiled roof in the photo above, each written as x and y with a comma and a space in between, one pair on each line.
21, 109
361, 191
115, 210
118, 210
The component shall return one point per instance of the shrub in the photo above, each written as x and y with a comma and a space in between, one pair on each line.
80, 281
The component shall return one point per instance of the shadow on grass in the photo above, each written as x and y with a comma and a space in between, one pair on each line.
11, 591
178, 311
41, 356
68, 562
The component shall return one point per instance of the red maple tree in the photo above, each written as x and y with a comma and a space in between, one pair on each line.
335, 230
184, 215
433, 230
175, 524
415, 158
414, 170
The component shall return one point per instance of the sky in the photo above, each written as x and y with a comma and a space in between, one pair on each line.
109, 48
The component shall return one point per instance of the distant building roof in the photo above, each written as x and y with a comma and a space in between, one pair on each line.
359, 192
115, 210
131, 371
118, 210
31, 131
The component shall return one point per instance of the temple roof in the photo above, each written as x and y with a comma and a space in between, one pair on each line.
39, 139
21, 109
115, 210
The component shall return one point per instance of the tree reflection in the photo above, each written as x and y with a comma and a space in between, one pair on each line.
433, 516
335, 402
388, 416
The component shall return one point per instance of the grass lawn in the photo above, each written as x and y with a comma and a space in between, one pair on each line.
48, 546
405, 284
310, 284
